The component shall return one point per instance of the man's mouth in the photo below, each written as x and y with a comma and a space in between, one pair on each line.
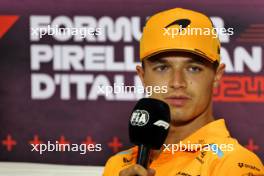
177, 100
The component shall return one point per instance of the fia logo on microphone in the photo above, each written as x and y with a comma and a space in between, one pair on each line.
139, 118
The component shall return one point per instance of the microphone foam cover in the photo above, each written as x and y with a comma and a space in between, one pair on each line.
149, 123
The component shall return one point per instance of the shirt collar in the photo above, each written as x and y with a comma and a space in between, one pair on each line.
205, 135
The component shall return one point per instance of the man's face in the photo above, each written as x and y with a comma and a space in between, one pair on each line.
189, 80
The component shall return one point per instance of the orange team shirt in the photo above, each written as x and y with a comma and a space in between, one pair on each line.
230, 159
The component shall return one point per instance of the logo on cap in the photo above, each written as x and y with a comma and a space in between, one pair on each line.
183, 23
139, 118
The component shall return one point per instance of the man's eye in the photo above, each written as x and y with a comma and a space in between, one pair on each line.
194, 69
161, 68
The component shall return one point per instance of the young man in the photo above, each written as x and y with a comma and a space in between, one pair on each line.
189, 65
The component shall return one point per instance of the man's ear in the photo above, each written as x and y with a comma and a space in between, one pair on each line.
219, 73
140, 73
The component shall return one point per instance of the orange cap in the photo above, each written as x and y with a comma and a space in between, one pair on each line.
168, 31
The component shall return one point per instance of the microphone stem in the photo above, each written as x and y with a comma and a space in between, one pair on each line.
143, 156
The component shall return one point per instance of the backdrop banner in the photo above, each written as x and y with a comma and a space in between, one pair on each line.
60, 58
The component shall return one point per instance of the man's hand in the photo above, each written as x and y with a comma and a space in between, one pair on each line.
137, 170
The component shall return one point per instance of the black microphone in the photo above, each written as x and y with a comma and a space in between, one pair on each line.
148, 127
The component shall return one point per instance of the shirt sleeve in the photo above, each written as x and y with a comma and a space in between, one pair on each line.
108, 169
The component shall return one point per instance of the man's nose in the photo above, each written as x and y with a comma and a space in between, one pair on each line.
178, 80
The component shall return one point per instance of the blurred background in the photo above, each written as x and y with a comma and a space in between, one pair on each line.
49, 85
